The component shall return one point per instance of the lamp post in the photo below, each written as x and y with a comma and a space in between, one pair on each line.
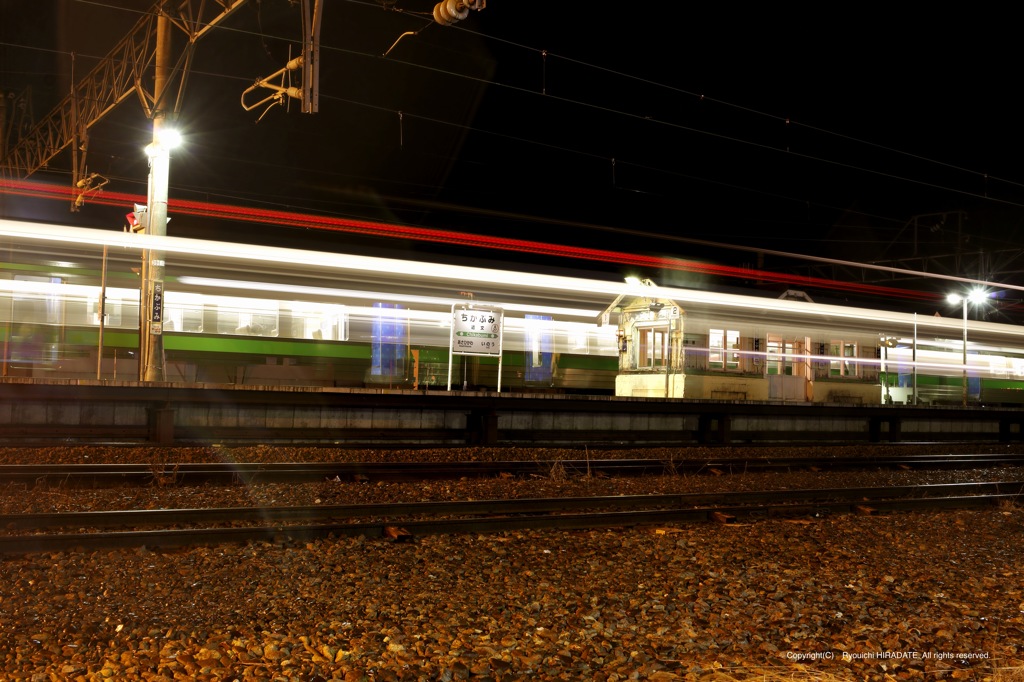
151, 350
151, 321
975, 296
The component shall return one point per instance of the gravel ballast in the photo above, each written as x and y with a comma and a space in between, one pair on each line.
895, 596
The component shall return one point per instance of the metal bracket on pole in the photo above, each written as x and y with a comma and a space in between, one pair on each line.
111, 81
279, 82
278, 90
91, 184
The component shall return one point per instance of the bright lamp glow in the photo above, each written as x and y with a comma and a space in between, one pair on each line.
166, 139
975, 296
169, 138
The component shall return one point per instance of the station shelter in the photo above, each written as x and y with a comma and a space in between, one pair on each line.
650, 343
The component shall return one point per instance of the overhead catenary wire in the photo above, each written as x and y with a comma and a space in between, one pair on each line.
619, 112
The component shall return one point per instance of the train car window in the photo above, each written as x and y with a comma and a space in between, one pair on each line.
192, 320
326, 322
578, 341
38, 309
111, 309
241, 316
184, 310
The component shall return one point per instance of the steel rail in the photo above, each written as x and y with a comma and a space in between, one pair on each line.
297, 472
485, 515
76, 475
143, 517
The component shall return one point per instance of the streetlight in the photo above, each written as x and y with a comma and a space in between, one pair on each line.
975, 296
151, 364
151, 347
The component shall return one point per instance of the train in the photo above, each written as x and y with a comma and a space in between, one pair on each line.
77, 304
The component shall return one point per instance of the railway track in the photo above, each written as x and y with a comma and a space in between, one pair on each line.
99, 475
29, 533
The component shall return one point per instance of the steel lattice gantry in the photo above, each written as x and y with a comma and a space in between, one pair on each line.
122, 72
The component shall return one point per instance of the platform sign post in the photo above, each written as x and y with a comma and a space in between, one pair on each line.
477, 329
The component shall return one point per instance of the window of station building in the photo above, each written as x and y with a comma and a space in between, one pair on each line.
779, 358
845, 354
652, 346
723, 349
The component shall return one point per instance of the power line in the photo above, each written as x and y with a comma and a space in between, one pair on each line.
623, 113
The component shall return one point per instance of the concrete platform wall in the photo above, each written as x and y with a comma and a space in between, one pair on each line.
163, 414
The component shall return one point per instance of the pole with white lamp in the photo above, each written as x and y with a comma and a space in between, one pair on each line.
975, 296
165, 137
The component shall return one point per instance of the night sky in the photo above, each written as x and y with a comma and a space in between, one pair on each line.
644, 127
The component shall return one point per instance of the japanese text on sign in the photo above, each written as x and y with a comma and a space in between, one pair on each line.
156, 323
476, 331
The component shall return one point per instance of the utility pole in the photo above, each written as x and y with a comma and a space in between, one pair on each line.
151, 346
120, 74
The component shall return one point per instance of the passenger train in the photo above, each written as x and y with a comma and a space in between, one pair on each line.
70, 301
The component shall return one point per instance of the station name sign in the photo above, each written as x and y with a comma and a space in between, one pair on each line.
476, 330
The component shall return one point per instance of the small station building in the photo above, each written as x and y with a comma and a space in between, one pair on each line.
650, 343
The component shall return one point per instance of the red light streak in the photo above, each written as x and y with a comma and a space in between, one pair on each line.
291, 219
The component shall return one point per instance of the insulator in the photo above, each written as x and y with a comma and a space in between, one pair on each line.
438, 16
450, 11
457, 9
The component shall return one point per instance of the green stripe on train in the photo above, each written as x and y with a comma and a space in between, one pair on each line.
251, 346
226, 344
303, 348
